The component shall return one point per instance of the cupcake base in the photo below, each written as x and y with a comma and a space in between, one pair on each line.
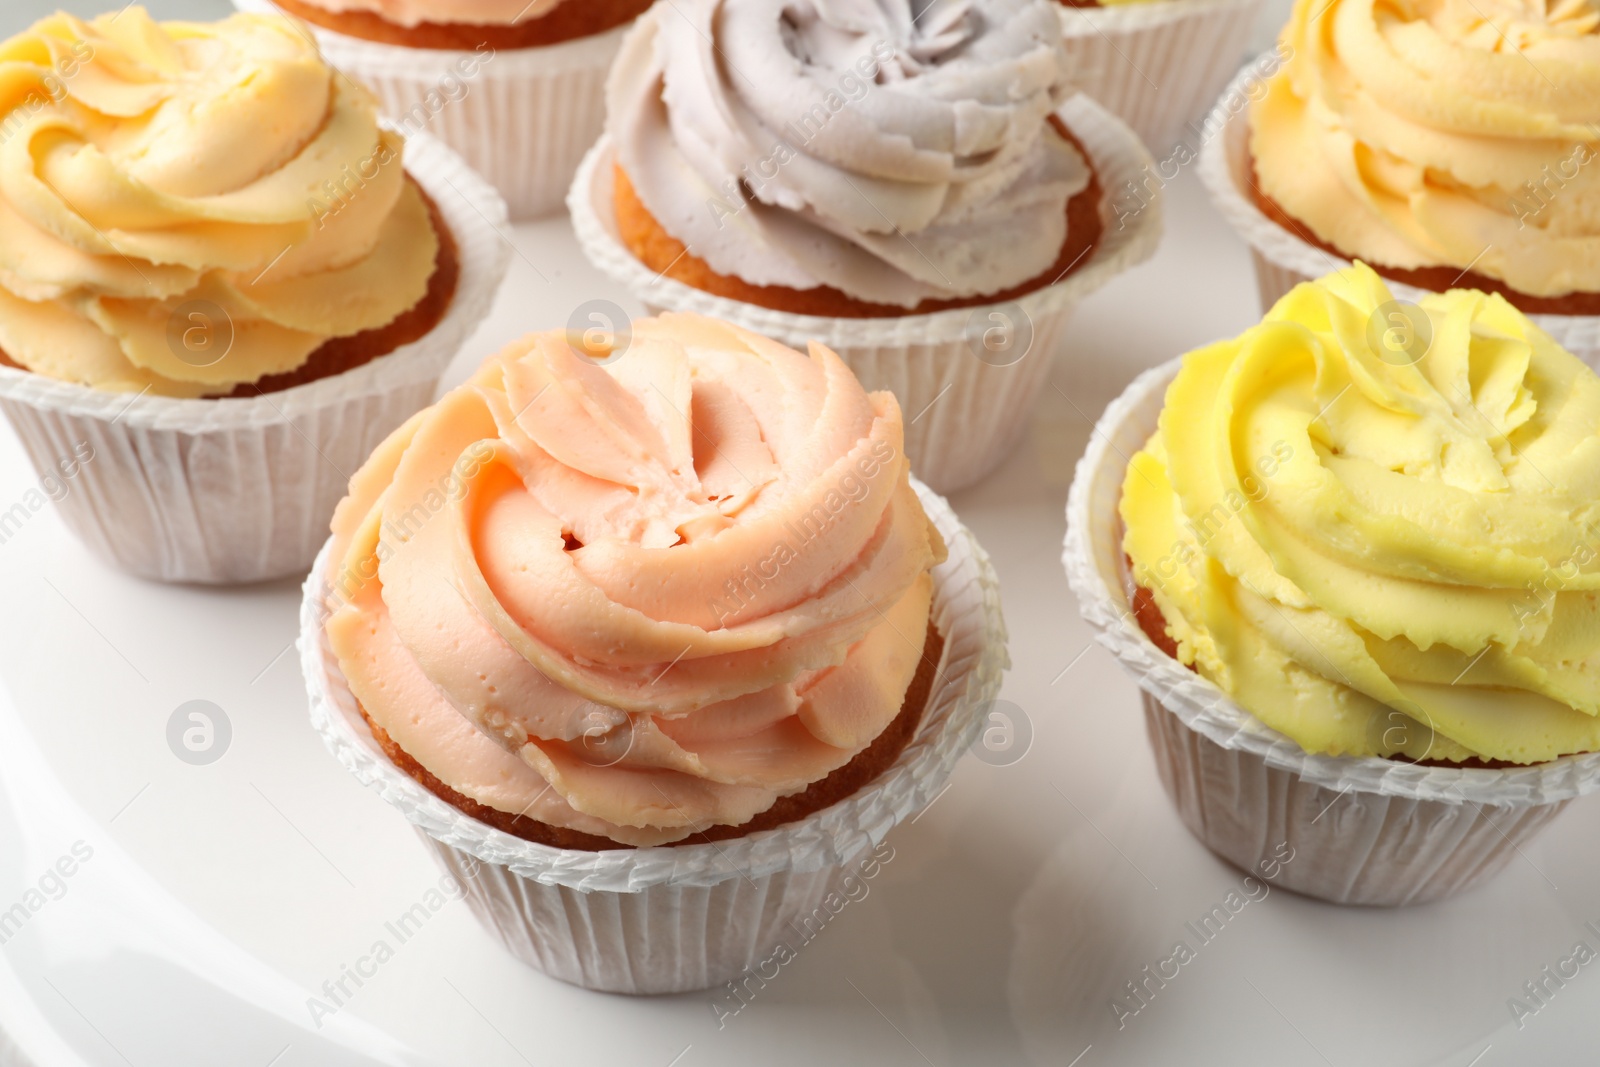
567, 22
674, 919
1433, 279
665, 939
1153, 64
669, 257
865, 766
1349, 847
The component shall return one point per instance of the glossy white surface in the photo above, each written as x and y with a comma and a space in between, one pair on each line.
220, 897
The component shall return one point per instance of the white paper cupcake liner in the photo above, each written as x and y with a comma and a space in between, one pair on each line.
523, 117
1284, 260
1154, 65
963, 415
234, 491
661, 920
1365, 830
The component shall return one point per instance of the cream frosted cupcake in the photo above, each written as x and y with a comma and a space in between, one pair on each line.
515, 86
1381, 572
220, 275
1156, 64
682, 594
1445, 144
923, 195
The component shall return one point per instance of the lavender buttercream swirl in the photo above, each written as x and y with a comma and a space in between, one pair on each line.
898, 151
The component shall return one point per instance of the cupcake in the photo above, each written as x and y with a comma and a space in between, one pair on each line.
924, 195
222, 278
1441, 149
1155, 63
664, 636
1359, 590
515, 86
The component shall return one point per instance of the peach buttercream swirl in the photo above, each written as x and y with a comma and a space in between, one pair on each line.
1442, 133
162, 178
642, 596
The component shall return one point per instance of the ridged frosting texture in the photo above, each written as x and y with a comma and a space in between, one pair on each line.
857, 146
641, 597
1380, 545
471, 12
1454, 133
149, 171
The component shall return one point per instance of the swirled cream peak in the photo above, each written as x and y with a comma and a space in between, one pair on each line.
471, 12
1377, 526
895, 158
1454, 133
152, 171
641, 598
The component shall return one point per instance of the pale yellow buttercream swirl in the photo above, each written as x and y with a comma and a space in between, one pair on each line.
1442, 133
185, 207
1377, 526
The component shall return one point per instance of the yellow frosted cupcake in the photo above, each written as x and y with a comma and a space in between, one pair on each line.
1380, 564
1447, 144
1441, 144
218, 270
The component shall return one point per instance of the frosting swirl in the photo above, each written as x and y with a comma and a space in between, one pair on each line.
146, 167
1442, 133
641, 598
469, 12
896, 152
1383, 543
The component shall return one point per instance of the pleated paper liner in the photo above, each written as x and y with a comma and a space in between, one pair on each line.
964, 415
1363, 830
1283, 260
1154, 64
664, 920
521, 117
241, 490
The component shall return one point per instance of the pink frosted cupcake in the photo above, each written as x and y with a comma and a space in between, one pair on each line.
675, 625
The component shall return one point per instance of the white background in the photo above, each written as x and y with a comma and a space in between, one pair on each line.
1014, 911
